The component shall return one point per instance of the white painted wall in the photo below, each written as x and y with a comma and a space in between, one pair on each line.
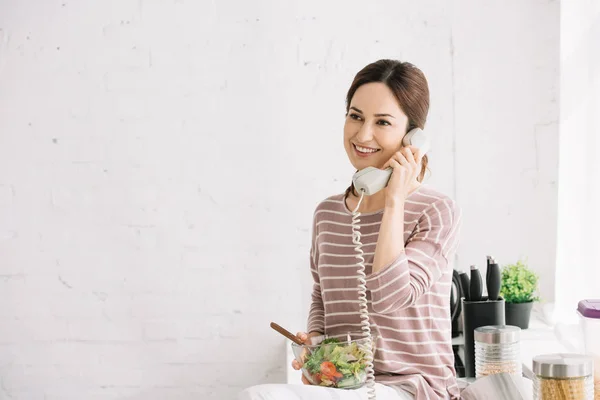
160, 162
506, 81
578, 272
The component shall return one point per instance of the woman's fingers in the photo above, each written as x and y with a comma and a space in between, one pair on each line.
407, 156
393, 163
302, 335
405, 163
401, 158
418, 154
407, 152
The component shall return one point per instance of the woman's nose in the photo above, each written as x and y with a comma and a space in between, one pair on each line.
364, 134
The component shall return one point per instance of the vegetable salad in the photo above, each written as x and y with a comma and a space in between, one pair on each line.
337, 364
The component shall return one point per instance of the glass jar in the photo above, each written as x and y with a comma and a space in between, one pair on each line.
563, 377
497, 350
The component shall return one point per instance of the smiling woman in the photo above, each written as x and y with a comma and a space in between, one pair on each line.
409, 234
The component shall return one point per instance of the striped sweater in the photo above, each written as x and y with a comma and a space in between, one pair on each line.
409, 299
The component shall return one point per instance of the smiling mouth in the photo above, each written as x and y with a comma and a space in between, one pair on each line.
364, 150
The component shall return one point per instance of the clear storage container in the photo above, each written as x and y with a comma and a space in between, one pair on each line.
563, 377
589, 321
497, 350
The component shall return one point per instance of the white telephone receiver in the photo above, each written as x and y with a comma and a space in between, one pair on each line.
371, 180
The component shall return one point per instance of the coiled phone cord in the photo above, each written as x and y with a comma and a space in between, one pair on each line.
362, 297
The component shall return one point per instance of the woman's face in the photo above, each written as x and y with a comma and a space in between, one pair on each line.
374, 127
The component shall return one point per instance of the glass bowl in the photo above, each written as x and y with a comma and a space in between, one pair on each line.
337, 362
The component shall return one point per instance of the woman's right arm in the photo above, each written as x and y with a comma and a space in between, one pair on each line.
316, 314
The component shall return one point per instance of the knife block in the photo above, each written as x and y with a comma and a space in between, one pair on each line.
476, 314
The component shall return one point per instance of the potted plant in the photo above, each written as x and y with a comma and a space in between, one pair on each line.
519, 287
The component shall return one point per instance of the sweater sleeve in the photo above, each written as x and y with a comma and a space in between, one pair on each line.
316, 314
424, 260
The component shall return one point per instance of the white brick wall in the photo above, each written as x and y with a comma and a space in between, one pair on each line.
160, 162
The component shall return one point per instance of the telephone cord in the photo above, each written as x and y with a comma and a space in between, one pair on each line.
362, 297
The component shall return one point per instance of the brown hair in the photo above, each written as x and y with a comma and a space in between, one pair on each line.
409, 86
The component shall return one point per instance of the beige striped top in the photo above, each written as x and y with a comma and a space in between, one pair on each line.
409, 299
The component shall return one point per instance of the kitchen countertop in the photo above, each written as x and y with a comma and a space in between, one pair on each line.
539, 338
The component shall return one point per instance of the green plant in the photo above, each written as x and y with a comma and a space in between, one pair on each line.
519, 283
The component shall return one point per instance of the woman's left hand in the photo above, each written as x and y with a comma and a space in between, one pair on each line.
406, 165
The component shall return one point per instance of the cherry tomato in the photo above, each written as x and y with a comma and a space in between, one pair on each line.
329, 370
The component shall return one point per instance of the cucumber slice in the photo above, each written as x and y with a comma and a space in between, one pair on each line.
348, 381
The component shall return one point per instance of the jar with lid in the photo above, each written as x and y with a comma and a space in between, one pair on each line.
497, 350
563, 376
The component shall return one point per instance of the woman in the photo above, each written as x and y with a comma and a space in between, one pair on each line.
409, 233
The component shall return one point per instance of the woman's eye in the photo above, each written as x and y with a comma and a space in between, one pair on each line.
354, 116
383, 122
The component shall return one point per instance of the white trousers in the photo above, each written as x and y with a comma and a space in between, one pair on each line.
282, 391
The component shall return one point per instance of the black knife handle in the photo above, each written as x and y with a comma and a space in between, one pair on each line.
494, 281
487, 269
465, 285
476, 285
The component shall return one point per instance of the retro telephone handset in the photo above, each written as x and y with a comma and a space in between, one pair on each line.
371, 180
367, 182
